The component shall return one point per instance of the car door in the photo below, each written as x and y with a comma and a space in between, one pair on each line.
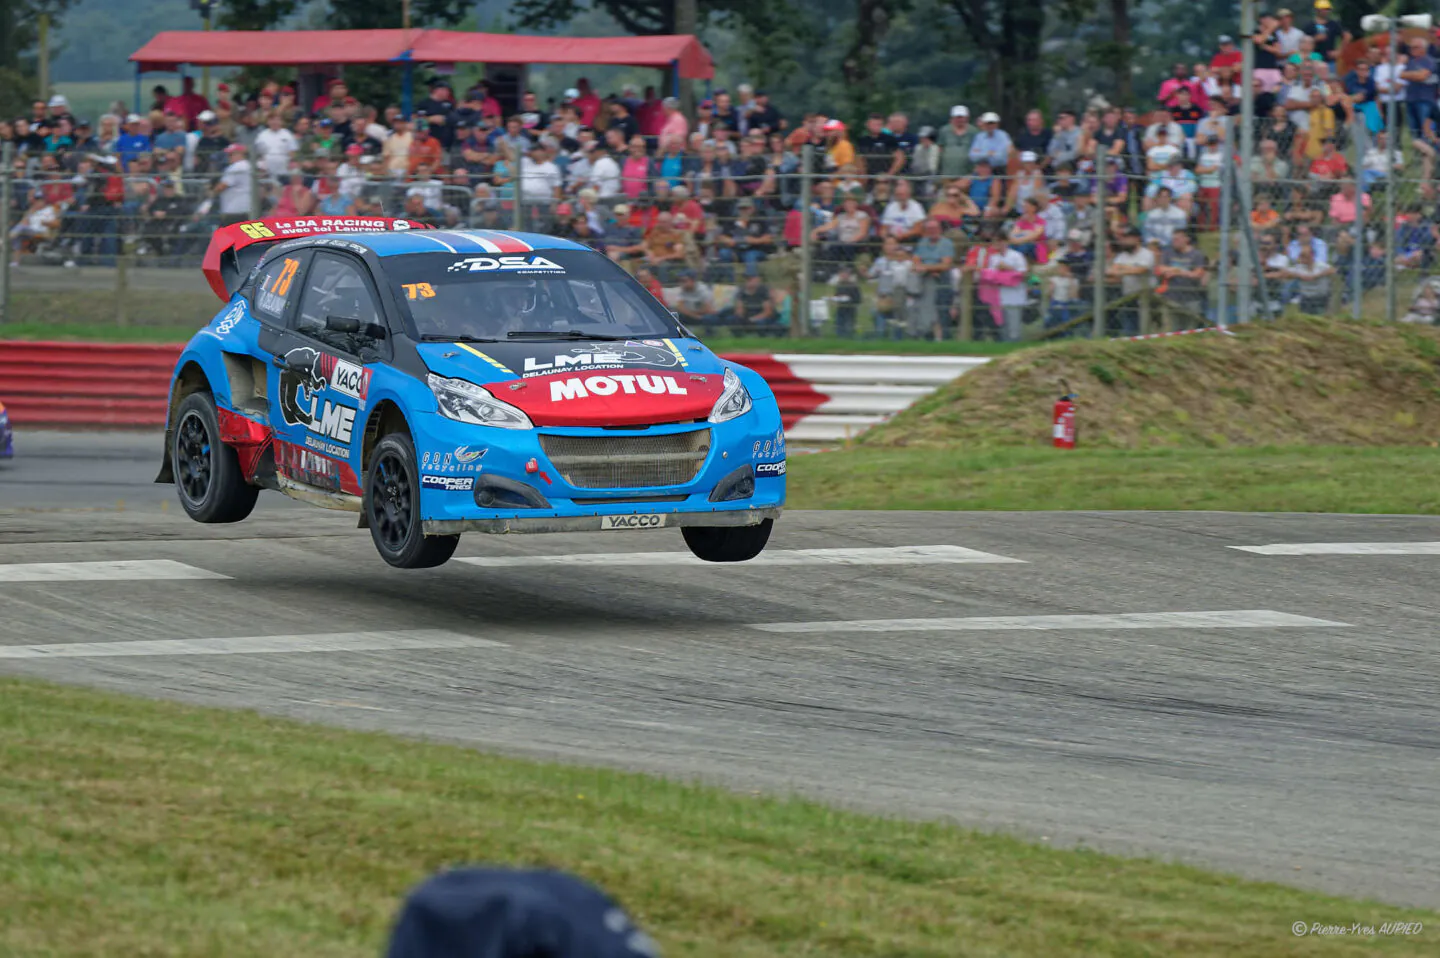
321, 360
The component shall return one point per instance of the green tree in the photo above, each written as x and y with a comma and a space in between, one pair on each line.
19, 39
1008, 34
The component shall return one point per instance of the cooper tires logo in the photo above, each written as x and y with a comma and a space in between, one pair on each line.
770, 468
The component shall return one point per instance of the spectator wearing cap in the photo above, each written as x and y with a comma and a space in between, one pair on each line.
954, 140
335, 93
839, 151
234, 185
991, 144
395, 154
84, 138
1027, 183
189, 104
925, 162
425, 147
58, 109
133, 142
1329, 35
749, 239
1227, 54
1064, 147
1286, 33
439, 109
208, 147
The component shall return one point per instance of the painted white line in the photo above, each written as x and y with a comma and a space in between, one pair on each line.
114, 570
900, 555
1345, 549
256, 645
1248, 619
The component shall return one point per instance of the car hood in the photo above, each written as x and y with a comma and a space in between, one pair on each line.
579, 383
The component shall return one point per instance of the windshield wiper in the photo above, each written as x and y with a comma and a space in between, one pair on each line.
561, 334
432, 338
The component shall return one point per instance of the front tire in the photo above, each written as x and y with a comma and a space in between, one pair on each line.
392, 508
207, 472
727, 543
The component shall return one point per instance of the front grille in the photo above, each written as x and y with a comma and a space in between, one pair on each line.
628, 462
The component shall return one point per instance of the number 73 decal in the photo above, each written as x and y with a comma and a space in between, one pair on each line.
419, 291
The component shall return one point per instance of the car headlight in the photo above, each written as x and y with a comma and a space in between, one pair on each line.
466, 402
734, 399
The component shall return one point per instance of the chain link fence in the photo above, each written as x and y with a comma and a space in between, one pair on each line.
784, 243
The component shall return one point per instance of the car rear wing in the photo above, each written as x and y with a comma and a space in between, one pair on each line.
236, 248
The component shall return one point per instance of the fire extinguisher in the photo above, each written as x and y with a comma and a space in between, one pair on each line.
1063, 420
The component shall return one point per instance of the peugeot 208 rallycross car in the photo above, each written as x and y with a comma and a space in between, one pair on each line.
439, 382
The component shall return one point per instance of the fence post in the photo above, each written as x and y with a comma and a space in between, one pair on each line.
1097, 272
254, 161
7, 157
1146, 305
517, 210
1392, 146
800, 315
967, 306
1222, 272
1357, 257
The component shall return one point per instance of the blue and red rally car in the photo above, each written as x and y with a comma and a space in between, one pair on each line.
439, 382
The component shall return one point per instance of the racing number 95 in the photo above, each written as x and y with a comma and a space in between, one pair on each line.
256, 230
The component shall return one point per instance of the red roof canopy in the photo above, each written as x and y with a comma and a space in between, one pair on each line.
169, 49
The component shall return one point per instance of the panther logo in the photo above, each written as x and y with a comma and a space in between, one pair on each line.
300, 372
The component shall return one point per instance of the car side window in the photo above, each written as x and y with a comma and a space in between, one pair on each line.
277, 287
336, 287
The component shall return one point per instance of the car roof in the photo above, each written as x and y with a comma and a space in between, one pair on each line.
464, 242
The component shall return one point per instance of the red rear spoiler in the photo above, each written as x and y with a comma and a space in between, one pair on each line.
222, 264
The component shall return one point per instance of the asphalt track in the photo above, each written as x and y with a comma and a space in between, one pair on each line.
1291, 749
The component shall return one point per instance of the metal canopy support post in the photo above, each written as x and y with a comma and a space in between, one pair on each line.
137, 88
1247, 142
407, 88
1097, 270
675, 79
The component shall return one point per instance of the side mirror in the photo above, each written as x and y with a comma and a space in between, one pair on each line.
342, 324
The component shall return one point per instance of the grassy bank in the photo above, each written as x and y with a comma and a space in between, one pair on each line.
1269, 479
136, 827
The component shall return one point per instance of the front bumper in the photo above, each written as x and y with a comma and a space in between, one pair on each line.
516, 524
518, 458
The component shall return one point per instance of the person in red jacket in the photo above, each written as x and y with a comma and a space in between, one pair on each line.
188, 104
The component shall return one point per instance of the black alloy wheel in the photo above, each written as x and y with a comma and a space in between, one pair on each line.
392, 509
207, 472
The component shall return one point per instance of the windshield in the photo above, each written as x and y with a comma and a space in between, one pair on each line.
542, 295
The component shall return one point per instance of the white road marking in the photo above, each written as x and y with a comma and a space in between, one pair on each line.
1344, 549
1248, 619
899, 555
256, 645
111, 570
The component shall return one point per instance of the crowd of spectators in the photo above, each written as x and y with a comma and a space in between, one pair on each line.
902, 218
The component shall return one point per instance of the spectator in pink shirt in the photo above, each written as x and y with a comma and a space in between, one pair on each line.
635, 171
1181, 80
587, 102
675, 128
188, 104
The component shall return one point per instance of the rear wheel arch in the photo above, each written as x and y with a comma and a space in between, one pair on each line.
191, 379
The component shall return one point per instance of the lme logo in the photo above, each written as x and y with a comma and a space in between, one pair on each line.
577, 388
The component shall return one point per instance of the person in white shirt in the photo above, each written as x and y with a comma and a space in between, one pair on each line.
1001, 258
233, 187
1165, 151
604, 174
427, 187
39, 222
1287, 34
1305, 238
1164, 218
540, 178
1374, 166
351, 173
903, 215
274, 146
1388, 83
891, 271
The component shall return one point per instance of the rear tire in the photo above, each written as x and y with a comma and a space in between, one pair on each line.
392, 508
727, 543
207, 472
